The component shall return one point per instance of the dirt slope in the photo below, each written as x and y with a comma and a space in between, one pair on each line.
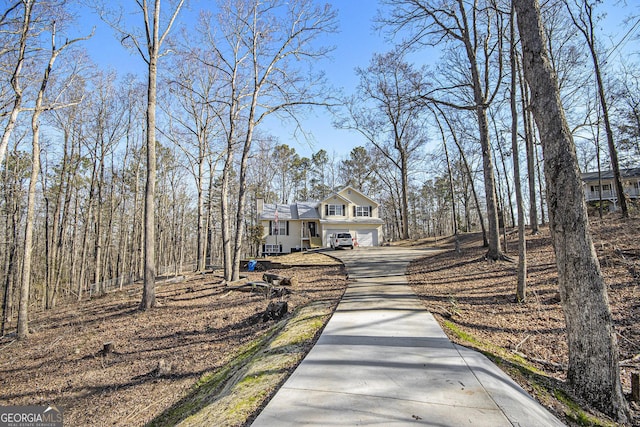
158, 355
474, 300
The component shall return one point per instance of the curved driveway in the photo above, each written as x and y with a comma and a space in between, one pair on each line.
383, 360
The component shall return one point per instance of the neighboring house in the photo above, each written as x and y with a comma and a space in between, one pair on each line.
592, 183
308, 225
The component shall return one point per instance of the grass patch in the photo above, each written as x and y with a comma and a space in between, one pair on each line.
234, 393
544, 387
492, 351
575, 413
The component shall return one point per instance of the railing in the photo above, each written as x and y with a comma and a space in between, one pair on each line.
631, 192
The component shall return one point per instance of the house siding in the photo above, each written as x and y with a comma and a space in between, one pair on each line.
299, 215
630, 184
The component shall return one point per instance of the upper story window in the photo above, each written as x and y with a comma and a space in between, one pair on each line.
334, 210
361, 211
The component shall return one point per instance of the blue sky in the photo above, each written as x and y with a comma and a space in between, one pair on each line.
355, 43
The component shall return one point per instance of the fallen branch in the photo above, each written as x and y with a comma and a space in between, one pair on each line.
250, 286
268, 290
522, 342
552, 365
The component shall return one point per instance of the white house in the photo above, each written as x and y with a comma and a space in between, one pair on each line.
307, 225
596, 185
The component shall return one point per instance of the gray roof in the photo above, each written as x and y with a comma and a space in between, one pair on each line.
625, 173
305, 210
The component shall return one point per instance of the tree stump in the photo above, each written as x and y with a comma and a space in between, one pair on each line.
276, 279
107, 348
289, 281
275, 311
163, 369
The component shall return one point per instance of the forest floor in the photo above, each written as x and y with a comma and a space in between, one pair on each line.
206, 351
474, 301
162, 355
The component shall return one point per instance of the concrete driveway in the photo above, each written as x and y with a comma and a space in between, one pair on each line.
383, 360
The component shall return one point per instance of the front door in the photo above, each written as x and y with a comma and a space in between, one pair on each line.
312, 229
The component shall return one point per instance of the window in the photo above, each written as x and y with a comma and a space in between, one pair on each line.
605, 188
271, 249
280, 228
362, 211
334, 210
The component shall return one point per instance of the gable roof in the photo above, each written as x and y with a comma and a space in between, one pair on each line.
305, 210
625, 173
344, 195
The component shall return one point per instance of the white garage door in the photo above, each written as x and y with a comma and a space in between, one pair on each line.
366, 237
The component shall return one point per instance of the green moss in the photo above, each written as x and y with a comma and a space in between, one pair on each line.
462, 335
209, 383
231, 394
575, 413
492, 351
517, 365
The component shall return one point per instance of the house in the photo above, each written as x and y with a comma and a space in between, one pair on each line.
593, 182
308, 225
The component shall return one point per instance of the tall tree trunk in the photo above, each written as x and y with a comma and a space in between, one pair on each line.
201, 236
23, 310
11, 237
227, 255
529, 138
97, 242
470, 176
153, 44
521, 288
149, 288
593, 352
505, 172
495, 250
404, 175
540, 186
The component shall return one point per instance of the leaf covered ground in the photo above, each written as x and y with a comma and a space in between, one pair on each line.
199, 326
165, 358
474, 300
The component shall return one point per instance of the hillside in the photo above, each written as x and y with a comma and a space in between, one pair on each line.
160, 356
166, 362
474, 300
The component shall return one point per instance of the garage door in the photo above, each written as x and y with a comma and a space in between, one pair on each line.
367, 237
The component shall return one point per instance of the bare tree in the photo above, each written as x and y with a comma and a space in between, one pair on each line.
149, 46
477, 28
264, 53
194, 88
387, 113
23, 37
584, 22
39, 107
593, 352
521, 288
